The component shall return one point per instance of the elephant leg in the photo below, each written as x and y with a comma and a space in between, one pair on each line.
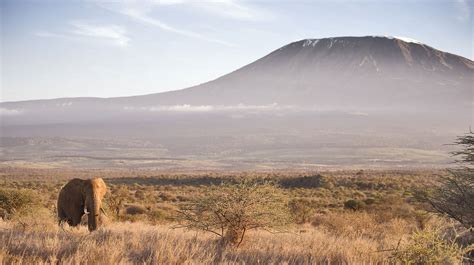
76, 219
62, 218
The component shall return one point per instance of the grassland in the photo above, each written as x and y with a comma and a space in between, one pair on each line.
141, 228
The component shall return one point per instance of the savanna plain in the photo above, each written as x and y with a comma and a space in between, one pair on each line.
274, 217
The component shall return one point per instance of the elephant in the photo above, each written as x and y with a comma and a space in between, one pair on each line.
79, 196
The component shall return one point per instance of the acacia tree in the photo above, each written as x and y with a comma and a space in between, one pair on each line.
230, 210
116, 198
454, 196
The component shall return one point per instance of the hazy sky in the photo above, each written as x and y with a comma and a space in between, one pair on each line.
53, 49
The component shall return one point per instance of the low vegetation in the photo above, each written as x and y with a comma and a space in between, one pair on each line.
429, 247
333, 217
15, 203
288, 217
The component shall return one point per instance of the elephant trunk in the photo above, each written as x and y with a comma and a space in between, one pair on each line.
94, 211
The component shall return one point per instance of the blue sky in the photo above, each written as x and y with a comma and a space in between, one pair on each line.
52, 49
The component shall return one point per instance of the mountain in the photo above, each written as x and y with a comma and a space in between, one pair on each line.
345, 100
359, 72
336, 73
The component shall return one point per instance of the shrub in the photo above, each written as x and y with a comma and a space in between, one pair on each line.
36, 217
135, 209
139, 194
354, 205
349, 224
454, 196
115, 199
369, 201
166, 196
229, 211
428, 247
156, 216
17, 202
315, 181
301, 210
392, 206
24, 208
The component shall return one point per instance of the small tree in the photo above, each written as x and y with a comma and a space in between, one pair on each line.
116, 198
229, 211
454, 195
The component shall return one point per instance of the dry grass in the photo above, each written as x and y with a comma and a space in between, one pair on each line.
138, 243
329, 234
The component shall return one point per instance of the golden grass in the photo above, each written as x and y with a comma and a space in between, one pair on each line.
138, 243
333, 235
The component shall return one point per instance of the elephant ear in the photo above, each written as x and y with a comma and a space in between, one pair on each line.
102, 187
74, 192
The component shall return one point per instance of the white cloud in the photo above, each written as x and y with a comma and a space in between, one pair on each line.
80, 31
209, 108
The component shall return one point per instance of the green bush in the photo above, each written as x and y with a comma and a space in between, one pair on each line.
354, 205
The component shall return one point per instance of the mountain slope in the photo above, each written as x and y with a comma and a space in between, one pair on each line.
359, 72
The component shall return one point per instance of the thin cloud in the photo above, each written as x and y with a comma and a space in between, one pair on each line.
10, 112
233, 108
209, 108
233, 10
229, 9
47, 34
143, 17
113, 34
